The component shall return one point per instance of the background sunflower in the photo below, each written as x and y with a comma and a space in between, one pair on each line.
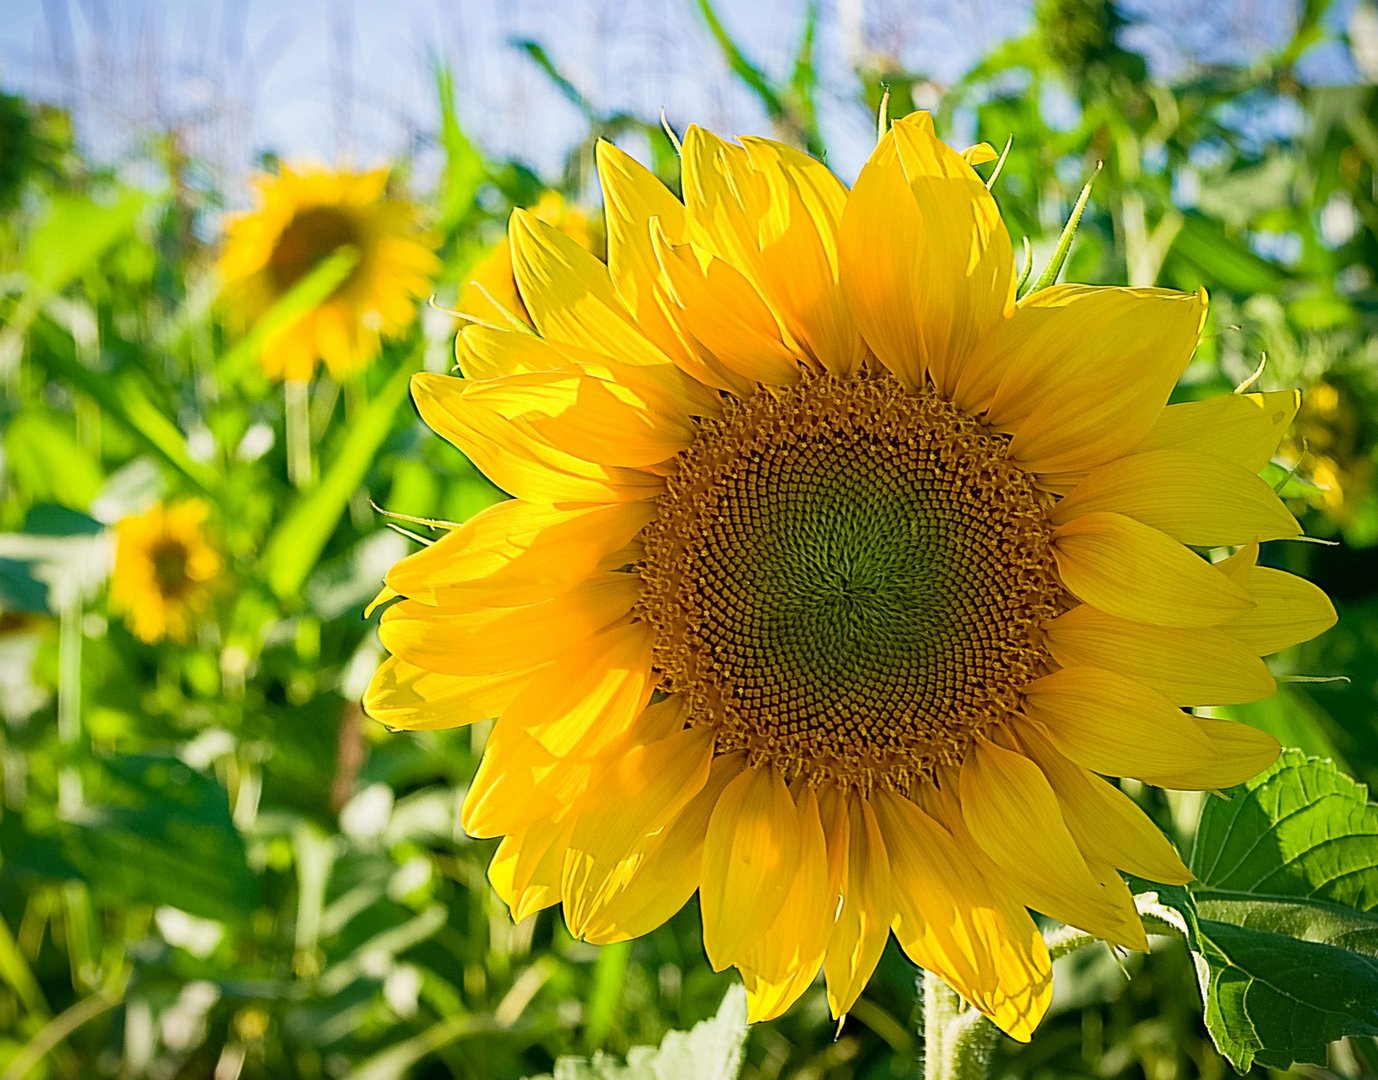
302, 217
166, 570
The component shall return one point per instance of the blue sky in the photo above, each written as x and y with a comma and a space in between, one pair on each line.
351, 80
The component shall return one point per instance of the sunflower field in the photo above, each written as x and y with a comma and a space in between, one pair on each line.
707, 608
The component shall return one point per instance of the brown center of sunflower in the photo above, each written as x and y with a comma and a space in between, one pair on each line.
169, 559
313, 235
847, 579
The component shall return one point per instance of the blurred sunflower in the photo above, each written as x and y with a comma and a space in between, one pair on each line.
490, 291
302, 218
835, 580
1328, 442
165, 570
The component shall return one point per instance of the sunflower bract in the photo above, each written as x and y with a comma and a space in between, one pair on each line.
835, 582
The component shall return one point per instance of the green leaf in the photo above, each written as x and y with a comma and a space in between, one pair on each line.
1283, 919
741, 64
74, 233
124, 398
1203, 253
48, 463
298, 540
572, 93
711, 1050
464, 168
164, 836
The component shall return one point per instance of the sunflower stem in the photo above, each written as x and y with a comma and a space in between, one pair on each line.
70, 637
958, 1041
297, 406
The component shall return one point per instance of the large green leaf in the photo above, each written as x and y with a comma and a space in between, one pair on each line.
48, 463
711, 1050
1283, 919
164, 837
1204, 253
73, 233
464, 170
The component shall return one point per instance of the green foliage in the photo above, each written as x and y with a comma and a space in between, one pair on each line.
790, 104
1283, 919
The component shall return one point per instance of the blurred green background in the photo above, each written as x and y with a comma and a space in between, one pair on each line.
211, 863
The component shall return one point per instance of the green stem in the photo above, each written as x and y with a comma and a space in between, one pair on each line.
958, 1041
55, 1031
69, 635
297, 406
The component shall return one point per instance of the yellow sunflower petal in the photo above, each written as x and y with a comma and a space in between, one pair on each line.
1132, 570
968, 270
1087, 371
410, 698
750, 855
607, 422
716, 306
726, 200
980, 154
630, 800
570, 295
1287, 609
1241, 753
1014, 815
632, 197
519, 784
525, 870
784, 960
515, 553
492, 353
1113, 725
1243, 428
588, 697
505, 639
1199, 500
1188, 667
952, 921
799, 248
868, 908
1105, 822
476, 418
882, 267
661, 882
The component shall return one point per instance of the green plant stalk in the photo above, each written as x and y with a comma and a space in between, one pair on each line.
297, 409
69, 704
56, 1030
958, 1041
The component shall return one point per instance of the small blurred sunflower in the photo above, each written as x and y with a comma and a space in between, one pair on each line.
1328, 441
165, 570
302, 217
836, 580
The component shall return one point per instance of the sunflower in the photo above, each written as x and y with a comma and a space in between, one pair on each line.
836, 581
302, 218
165, 570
